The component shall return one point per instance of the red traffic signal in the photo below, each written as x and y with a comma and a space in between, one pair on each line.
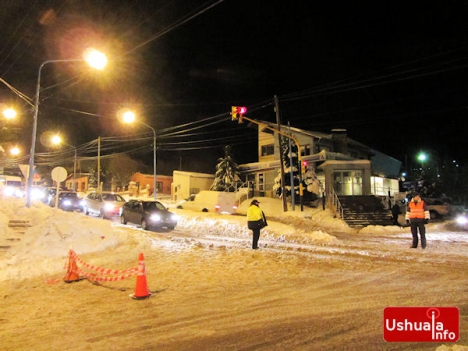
237, 112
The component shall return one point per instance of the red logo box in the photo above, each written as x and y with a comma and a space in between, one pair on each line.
421, 324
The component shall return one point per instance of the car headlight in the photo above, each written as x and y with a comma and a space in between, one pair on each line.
8, 191
37, 194
174, 218
109, 207
155, 218
462, 220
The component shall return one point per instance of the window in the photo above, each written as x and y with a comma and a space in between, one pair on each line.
268, 150
305, 150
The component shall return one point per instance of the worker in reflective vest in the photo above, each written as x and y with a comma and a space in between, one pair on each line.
417, 216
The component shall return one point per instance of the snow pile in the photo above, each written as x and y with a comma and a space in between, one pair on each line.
44, 246
51, 235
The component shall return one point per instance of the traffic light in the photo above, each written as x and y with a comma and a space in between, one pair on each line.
237, 112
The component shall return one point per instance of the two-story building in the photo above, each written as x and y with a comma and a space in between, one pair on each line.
343, 166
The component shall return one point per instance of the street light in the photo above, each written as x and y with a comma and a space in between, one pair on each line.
9, 113
56, 139
422, 157
96, 60
15, 151
129, 117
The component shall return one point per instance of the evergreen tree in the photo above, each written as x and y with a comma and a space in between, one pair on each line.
227, 173
288, 167
310, 183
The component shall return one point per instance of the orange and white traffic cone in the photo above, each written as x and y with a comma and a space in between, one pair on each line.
72, 270
141, 289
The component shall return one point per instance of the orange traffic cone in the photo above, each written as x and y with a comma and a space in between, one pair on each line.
72, 270
141, 289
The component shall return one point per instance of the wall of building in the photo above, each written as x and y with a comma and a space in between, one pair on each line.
146, 181
185, 184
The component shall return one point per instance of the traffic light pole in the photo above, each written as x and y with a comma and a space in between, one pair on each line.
283, 186
299, 157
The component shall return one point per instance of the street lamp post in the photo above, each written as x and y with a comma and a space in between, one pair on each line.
96, 60
129, 117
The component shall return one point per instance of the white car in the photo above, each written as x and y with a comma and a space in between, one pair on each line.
103, 204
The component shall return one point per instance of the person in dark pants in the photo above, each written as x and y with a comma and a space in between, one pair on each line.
417, 216
256, 220
395, 213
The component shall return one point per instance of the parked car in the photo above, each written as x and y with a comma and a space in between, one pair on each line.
103, 204
150, 214
67, 201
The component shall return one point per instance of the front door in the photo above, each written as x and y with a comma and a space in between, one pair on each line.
347, 182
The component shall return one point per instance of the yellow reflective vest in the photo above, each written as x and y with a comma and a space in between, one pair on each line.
254, 213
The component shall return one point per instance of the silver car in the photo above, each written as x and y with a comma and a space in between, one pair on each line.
103, 204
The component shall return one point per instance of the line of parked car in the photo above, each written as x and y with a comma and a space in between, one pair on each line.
150, 214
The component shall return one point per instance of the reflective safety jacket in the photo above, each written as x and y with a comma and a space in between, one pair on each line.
254, 213
417, 210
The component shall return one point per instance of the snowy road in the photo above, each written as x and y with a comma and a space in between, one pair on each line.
315, 284
348, 247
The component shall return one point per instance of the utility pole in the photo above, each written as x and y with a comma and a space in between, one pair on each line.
99, 164
291, 174
283, 187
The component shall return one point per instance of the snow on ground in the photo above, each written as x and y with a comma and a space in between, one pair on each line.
54, 232
314, 284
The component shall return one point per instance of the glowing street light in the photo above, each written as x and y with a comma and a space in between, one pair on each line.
9, 113
15, 151
422, 157
96, 60
129, 117
57, 140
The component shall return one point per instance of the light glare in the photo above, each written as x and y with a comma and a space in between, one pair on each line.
9, 113
128, 117
95, 58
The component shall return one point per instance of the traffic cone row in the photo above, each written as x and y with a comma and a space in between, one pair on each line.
141, 289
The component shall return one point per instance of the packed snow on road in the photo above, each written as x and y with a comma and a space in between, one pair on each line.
315, 283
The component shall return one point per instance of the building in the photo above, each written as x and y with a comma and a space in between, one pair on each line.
146, 181
344, 167
187, 183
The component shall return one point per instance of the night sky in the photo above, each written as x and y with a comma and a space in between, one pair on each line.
393, 73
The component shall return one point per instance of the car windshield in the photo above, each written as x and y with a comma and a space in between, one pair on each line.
113, 197
151, 206
68, 195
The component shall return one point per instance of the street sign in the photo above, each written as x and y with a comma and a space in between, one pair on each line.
59, 174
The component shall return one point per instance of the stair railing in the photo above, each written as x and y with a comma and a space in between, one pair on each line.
333, 203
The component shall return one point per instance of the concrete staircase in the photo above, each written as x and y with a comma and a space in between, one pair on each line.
361, 211
14, 234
